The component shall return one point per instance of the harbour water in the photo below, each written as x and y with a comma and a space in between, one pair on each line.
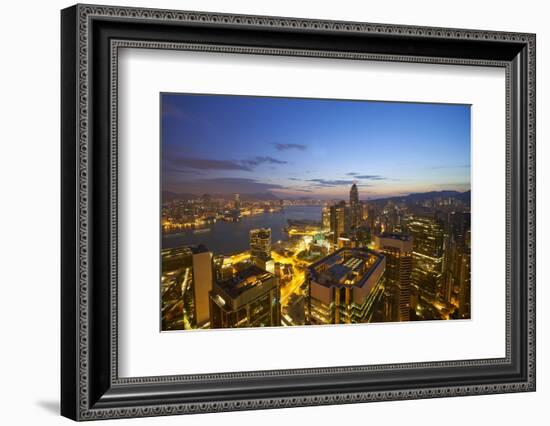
232, 237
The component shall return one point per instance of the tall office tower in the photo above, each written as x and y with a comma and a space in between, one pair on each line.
236, 201
187, 275
465, 280
355, 206
428, 243
397, 249
202, 283
457, 255
176, 290
340, 221
371, 216
345, 287
393, 219
325, 217
251, 298
260, 242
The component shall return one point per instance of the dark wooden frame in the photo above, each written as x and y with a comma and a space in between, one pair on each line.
90, 386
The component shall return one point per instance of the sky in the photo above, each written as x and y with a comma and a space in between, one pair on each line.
316, 148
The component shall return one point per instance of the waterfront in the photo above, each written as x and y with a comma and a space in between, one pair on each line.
232, 237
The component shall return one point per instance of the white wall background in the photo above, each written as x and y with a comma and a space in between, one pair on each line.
29, 182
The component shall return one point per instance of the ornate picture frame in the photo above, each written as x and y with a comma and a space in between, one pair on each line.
91, 37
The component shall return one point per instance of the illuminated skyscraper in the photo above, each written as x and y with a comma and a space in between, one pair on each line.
325, 217
260, 242
187, 276
457, 256
465, 280
340, 221
398, 251
202, 283
176, 288
237, 201
345, 287
428, 244
355, 206
251, 298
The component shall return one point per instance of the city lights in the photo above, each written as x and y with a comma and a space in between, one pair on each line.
300, 212
387, 260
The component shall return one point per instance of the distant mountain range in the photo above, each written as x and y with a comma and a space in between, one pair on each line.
168, 196
424, 196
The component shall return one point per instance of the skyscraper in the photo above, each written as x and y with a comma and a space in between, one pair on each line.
202, 283
465, 280
398, 251
340, 221
345, 287
236, 201
251, 298
457, 260
325, 217
355, 207
187, 277
428, 250
260, 242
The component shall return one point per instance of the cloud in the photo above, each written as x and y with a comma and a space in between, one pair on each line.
226, 185
370, 177
287, 146
366, 177
331, 182
208, 164
256, 161
181, 163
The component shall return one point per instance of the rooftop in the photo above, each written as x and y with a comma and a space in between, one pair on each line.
244, 280
345, 267
201, 248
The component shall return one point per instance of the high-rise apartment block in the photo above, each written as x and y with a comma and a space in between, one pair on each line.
398, 251
340, 221
355, 206
187, 278
428, 256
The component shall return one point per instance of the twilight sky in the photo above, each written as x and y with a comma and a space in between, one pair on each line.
312, 147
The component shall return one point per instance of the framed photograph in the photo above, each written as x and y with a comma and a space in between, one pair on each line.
263, 212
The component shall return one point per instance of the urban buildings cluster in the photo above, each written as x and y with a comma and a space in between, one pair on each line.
397, 259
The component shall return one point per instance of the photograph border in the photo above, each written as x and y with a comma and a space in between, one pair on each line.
114, 141
91, 37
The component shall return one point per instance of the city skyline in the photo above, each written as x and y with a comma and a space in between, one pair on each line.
314, 148
343, 262
281, 212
